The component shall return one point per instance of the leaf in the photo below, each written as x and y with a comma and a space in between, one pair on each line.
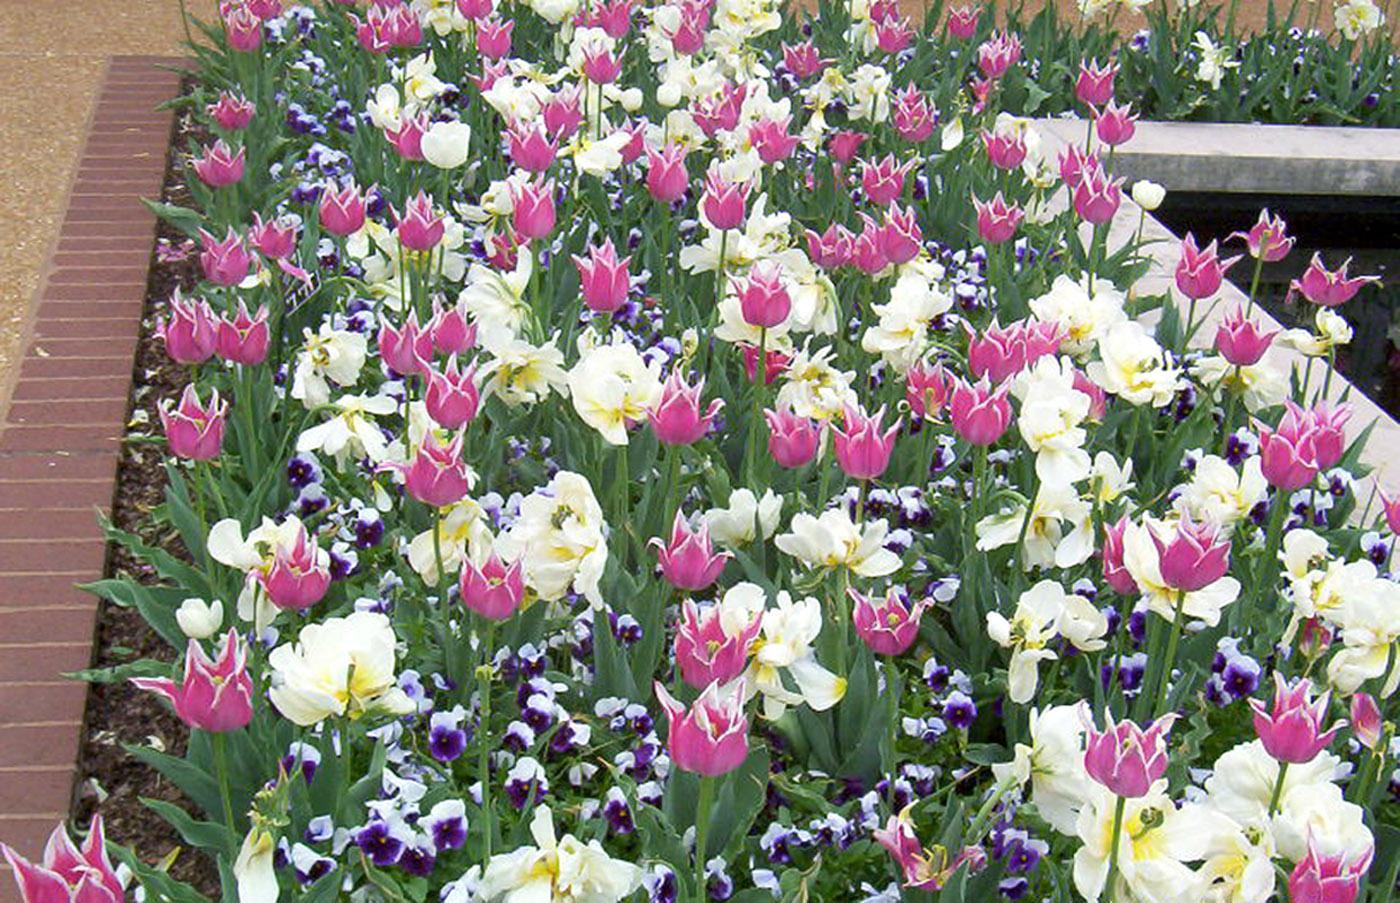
157, 604
196, 783
183, 218
146, 667
205, 834
158, 885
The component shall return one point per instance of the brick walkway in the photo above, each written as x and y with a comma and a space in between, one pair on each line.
59, 445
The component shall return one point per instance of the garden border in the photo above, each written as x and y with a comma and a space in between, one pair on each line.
62, 436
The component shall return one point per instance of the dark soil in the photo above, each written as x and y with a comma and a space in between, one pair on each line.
113, 783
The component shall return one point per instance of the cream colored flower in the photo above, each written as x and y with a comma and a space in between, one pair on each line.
1085, 318
612, 387
1053, 763
900, 336
747, 515
1156, 842
559, 537
328, 356
521, 373
352, 433
1060, 532
342, 666
833, 540
785, 646
1219, 494
1134, 367
1357, 18
557, 870
464, 534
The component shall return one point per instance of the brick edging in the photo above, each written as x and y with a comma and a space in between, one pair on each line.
60, 444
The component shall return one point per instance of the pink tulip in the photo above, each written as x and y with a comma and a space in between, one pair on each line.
1194, 556
1098, 398
1391, 508
275, 239
845, 144
563, 113
832, 248
1005, 150
1268, 238
926, 390
225, 262
901, 239
231, 112
883, 181
1292, 732
215, 695
342, 212
775, 363
601, 66
452, 398
1073, 162
998, 54
1125, 758
803, 60
193, 430
962, 21
720, 112
67, 873
1241, 341
1114, 572
712, 737
1327, 287
189, 333
999, 353
1288, 455
420, 228
705, 652
493, 37
1096, 197
893, 36
1116, 125
792, 440
667, 179
912, 116
436, 475
1366, 721
771, 139
980, 414
613, 16
475, 10
763, 297
1328, 878
405, 350
1199, 272
862, 450
374, 33
299, 575
453, 332
406, 138
530, 147
996, 219
244, 339
242, 28
493, 590
888, 626
678, 418
533, 216
603, 278
219, 165
723, 201
1094, 87
689, 561
1329, 432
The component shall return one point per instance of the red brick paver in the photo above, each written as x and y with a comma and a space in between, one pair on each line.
59, 447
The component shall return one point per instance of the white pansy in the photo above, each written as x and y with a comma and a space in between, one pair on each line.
341, 666
833, 540
1028, 634
1243, 780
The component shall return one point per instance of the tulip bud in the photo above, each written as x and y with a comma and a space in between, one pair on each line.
1199, 272
1292, 732
1005, 150
436, 475
1194, 556
533, 216
1148, 195
1096, 197
219, 166
1287, 455
667, 179
689, 561
862, 450
998, 54
189, 333
225, 262
493, 37
1267, 239
215, 695
342, 212
493, 590
193, 430
199, 620
1114, 571
888, 626
723, 202
845, 144
243, 339
407, 350
452, 398
677, 418
1241, 341
996, 219
1328, 878
1327, 287
979, 414
530, 147
453, 332
231, 112
901, 239
792, 440
883, 181
603, 278
1094, 87
420, 228
299, 575
1366, 721
763, 297
962, 21
1116, 125
1125, 758
711, 738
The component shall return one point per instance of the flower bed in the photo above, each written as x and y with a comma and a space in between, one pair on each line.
656, 454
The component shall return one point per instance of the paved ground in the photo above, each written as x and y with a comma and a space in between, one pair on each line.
52, 56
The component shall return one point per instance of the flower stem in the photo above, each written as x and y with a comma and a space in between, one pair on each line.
220, 743
1165, 677
483, 735
984, 815
1278, 788
1113, 848
892, 703
702, 833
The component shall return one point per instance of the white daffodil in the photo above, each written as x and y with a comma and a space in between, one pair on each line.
1357, 18
833, 540
745, 517
1140, 557
1028, 635
1085, 318
1108, 479
559, 537
557, 870
1318, 813
1370, 630
1134, 367
496, 301
1332, 331
785, 646
1213, 60
612, 386
1156, 842
1221, 495
254, 869
1259, 386
1060, 532
900, 336
1051, 413
1238, 866
1053, 763
1243, 780
341, 666
328, 356
521, 373
351, 434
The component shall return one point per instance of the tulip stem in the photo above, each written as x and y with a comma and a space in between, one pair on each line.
702, 834
984, 815
892, 701
1118, 808
1278, 788
1254, 282
220, 743
483, 735
1165, 677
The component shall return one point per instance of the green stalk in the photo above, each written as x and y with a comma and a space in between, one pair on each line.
702, 833
1113, 849
483, 736
1278, 788
1164, 678
892, 702
220, 743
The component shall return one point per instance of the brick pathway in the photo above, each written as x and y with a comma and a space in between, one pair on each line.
59, 445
